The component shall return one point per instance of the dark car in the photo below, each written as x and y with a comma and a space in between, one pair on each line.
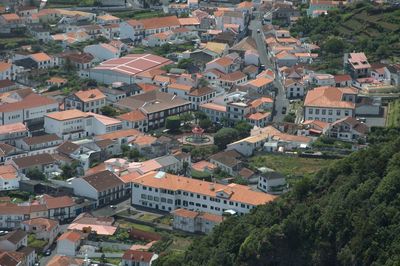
284, 110
47, 252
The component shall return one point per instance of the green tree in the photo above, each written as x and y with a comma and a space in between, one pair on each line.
289, 118
35, 174
203, 83
108, 110
173, 123
69, 171
334, 45
243, 128
185, 63
205, 123
225, 136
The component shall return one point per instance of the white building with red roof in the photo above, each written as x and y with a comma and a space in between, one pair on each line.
329, 104
30, 110
9, 178
125, 69
102, 51
7, 71
356, 64
87, 101
69, 242
75, 124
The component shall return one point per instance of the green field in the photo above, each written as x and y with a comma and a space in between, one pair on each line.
393, 116
290, 166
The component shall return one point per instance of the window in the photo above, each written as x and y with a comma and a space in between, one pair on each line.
169, 201
323, 111
317, 111
330, 112
143, 196
338, 112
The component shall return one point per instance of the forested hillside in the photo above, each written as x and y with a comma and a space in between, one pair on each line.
347, 214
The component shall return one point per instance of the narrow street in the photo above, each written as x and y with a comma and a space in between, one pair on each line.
280, 98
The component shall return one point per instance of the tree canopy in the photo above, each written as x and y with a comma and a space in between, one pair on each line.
346, 214
225, 136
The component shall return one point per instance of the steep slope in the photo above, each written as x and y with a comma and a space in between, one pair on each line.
348, 214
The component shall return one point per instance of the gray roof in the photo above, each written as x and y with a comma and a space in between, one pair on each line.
33, 160
167, 160
103, 180
152, 102
14, 236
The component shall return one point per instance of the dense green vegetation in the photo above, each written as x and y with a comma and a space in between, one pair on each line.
346, 214
374, 30
393, 116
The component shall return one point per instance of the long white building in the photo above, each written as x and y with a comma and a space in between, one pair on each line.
167, 192
75, 124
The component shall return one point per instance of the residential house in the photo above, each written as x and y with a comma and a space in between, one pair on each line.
13, 240
87, 101
102, 51
193, 221
269, 180
228, 161
329, 104
134, 119
343, 80
103, 187
9, 178
226, 64
294, 89
227, 81
138, 258
43, 162
38, 142
11, 133
356, 64
348, 129
215, 112
43, 228
79, 61
7, 71
30, 110
69, 242
59, 260
7, 85
156, 106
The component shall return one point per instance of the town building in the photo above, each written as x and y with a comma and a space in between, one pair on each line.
329, 104
138, 258
87, 101
194, 222
125, 69
103, 187
157, 106
167, 192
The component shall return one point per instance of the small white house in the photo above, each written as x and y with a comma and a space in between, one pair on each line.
69, 242
102, 51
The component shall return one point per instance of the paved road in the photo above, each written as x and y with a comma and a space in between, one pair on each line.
280, 97
108, 211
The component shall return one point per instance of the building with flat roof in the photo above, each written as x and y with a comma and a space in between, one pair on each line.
125, 69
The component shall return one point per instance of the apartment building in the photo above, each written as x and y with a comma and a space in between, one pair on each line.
167, 192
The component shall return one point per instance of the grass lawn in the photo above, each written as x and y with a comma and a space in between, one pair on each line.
128, 225
147, 217
167, 220
36, 243
393, 116
290, 166
180, 243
